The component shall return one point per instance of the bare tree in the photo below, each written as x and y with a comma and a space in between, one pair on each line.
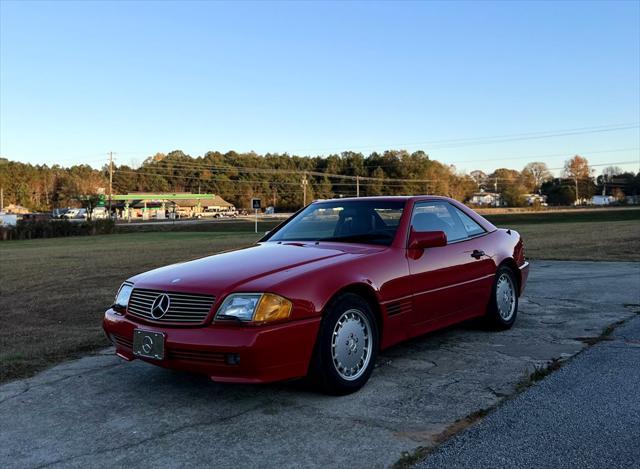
535, 174
480, 178
611, 171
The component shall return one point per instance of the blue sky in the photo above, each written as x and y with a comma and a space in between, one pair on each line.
80, 79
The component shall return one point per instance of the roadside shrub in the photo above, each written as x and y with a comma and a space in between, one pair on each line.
6, 233
55, 229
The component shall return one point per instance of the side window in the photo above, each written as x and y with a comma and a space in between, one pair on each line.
438, 216
471, 227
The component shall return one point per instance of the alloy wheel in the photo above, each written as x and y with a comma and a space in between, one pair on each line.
505, 297
351, 344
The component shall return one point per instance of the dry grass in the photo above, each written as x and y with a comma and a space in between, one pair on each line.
53, 292
586, 241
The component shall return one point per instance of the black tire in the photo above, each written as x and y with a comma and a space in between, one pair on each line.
353, 312
502, 312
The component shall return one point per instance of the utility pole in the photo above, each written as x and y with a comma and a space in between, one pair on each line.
577, 197
304, 190
1, 199
110, 180
357, 186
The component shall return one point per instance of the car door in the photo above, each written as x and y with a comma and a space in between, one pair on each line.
446, 280
481, 269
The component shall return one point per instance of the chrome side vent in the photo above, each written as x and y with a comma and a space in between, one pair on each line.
399, 307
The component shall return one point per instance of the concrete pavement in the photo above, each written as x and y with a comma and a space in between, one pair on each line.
100, 411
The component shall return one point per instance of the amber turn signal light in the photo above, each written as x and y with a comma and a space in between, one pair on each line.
272, 308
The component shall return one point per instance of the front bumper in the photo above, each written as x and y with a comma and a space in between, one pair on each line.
267, 353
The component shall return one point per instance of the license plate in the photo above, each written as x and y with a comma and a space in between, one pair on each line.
148, 344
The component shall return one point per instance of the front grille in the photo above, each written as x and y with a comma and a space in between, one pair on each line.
185, 308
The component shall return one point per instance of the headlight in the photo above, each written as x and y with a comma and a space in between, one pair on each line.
256, 307
122, 298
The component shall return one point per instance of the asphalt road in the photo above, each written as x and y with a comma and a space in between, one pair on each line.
586, 415
102, 412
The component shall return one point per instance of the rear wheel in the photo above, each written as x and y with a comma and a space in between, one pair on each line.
347, 346
503, 307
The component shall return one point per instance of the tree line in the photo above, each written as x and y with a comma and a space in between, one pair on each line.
286, 181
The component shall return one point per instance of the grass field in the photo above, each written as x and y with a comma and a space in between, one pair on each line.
593, 235
566, 216
582, 241
53, 292
243, 225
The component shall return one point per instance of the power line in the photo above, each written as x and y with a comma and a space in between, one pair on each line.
263, 181
196, 164
200, 178
274, 171
469, 141
463, 140
551, 155
392, 181
201, 165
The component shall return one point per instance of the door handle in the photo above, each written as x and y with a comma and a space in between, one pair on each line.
477, 254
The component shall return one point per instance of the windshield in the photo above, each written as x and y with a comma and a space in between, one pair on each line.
355, 221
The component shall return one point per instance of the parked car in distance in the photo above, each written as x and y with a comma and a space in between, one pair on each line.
76, 214
322, 293
59, 212
230, 213
100, 213
218, 213
182, 212
208, 214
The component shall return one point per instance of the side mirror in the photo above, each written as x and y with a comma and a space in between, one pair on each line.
427, 239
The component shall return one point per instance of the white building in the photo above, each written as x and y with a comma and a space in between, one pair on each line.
602, 199
536, 199
8, 219
489, 199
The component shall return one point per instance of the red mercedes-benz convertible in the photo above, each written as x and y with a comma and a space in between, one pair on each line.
323, 292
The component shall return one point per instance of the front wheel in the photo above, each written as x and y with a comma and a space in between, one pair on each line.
347, 346
503, 307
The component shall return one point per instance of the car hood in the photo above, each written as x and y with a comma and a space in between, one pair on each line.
230, 270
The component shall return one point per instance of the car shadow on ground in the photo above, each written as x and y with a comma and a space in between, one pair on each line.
184, 382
